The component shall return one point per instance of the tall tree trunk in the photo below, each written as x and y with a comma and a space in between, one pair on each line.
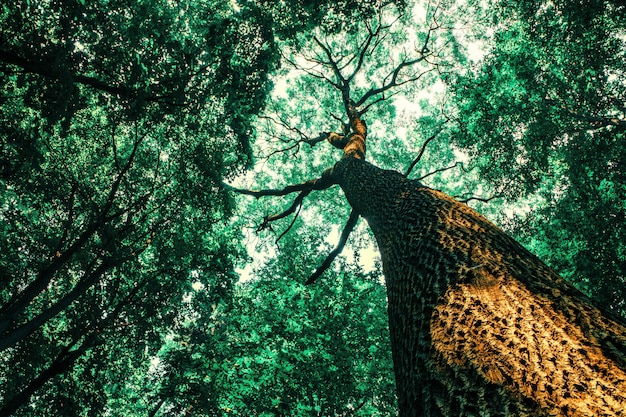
480, 326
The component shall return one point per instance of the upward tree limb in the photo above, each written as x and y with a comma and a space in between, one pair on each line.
341, 69
342, 83
391, 81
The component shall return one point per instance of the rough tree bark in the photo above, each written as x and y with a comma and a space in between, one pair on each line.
480, 326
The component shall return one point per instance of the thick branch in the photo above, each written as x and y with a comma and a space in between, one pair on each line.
48, 71
24, 330
60, 364
20, 302
354, 217
68, 355
321, 183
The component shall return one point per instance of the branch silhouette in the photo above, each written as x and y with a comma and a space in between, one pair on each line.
352, 220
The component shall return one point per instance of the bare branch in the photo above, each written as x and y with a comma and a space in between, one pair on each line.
312, 71
341, 81
378, 100
290, 225
293, 144
296, 145
364, 49
421, 152
592, 121
348, 62
305, 188
354, 217
284, 124
295, 205
345, 126
393, 82
441, 170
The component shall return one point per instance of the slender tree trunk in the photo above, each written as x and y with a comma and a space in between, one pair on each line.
480, 326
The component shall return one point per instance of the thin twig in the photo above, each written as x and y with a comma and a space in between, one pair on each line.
394, 79
341, 81
378, 100
372, 35
441, 170
290, 224
481, 199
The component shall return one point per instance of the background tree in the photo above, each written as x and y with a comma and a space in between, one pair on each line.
104, 169
118, 122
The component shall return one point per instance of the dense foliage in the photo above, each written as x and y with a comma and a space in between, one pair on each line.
545, 115
120, 120
112, 120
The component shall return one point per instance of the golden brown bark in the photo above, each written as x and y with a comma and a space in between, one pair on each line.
480, 326
353, 145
